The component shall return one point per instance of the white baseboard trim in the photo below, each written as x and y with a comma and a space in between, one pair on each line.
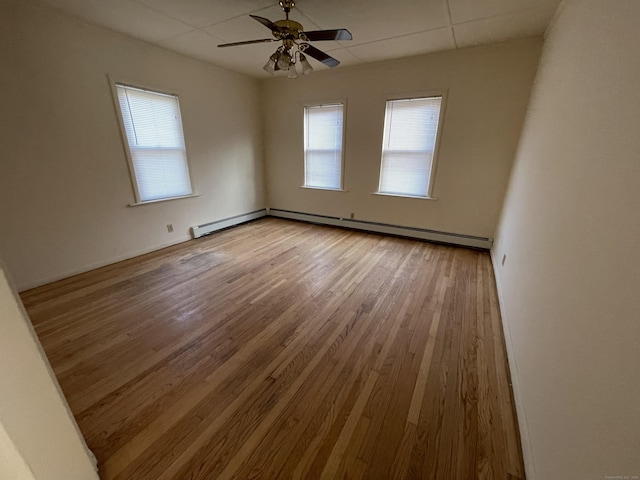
411, 232
523, 425
207, 228
220, 224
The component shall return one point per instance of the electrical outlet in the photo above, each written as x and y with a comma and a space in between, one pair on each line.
504, 259
353, 215
169, 227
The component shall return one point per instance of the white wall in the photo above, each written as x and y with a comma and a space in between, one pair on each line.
488, 90
39, 438
64, 180
570, 286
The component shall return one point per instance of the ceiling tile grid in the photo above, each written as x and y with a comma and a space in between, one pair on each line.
381, 29
412, 44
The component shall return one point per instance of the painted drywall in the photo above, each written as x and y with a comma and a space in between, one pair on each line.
64, 180
487, 90
39, 439
570, 284
12, 465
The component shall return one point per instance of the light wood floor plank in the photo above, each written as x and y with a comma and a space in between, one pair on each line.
280, 349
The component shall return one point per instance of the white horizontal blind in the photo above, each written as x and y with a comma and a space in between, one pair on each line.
323, 127
154, 132
410, 131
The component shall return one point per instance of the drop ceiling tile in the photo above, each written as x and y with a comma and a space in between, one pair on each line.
330, 46
371, 20
382, 29
254, 71
200, 13
203, 46
345, 56
466, 10
124, 16
529, 23
416, 44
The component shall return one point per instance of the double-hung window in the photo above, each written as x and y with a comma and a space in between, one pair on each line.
323, 133
409, 145
155, 143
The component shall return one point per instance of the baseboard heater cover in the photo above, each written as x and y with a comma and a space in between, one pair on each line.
207, 228
411, 232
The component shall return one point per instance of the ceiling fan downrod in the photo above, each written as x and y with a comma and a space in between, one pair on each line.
287, 5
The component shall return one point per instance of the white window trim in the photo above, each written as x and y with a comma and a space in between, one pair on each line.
147, 202
324, 188
113, 82
416, 197
342, 102
436, 148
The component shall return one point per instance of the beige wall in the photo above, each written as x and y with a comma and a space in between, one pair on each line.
12, 465
487, 93
39, 438
571, 231
64, 180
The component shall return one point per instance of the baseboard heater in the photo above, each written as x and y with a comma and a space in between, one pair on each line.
207, 228
419, 233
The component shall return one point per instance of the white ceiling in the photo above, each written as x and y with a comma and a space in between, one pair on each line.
382, 29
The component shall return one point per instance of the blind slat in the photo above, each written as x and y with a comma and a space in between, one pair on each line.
323, 146
154, 134
410, 131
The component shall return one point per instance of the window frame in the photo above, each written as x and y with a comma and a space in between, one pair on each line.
113, 83
324, 103
436, 148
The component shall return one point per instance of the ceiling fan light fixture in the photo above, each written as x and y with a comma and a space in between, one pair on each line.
305, 65
292, 71
270, 66
284, 60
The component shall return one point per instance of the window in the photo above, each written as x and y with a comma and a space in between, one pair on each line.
323, 131
410, 131
157, 154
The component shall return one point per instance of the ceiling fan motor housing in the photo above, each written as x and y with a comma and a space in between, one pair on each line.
289, 30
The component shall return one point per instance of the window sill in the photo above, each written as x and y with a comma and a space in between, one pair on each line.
326, 189
402, 196
137, 204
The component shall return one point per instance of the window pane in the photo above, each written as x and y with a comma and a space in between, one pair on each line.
323, 146
405, 173
161, 173
410, 133
323, 168
154, 133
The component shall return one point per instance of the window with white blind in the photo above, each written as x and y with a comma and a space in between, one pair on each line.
409, 143
157, 154
323, 132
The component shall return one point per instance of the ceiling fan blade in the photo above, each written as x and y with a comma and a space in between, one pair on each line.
247, 42
266, 22
319, 35
319, 55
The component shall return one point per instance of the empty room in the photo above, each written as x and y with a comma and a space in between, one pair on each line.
273, 240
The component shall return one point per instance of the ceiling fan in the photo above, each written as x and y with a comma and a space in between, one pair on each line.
294, 43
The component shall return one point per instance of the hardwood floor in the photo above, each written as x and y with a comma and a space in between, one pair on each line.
282, 350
